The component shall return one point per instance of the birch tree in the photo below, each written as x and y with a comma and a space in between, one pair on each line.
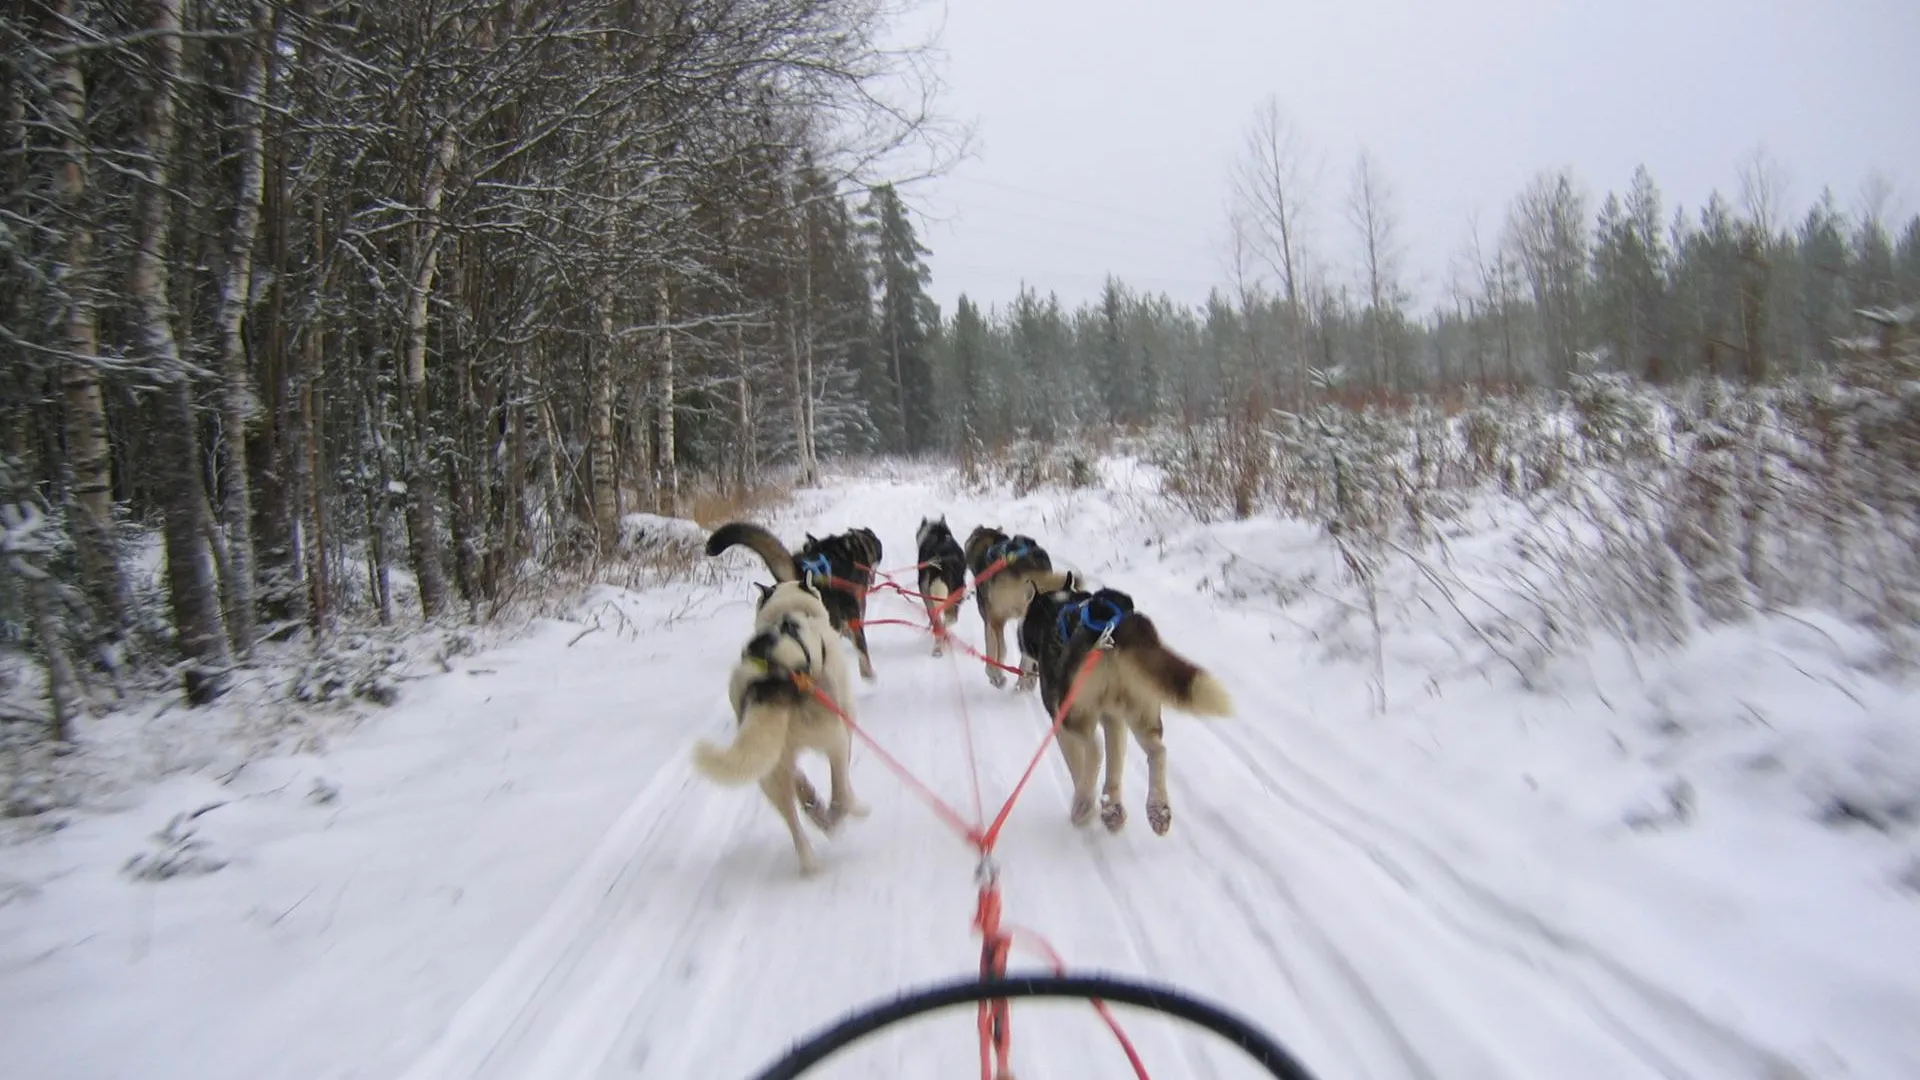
1375, 222
1272, 183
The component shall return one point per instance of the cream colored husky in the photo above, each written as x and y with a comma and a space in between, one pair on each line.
778, 718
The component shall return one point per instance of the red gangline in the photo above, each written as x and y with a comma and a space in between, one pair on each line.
996, 1035
1042, 945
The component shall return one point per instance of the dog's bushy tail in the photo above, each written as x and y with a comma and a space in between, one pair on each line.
1157, 673
757, 745
768, 546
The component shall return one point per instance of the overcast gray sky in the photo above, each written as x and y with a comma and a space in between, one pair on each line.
1106, 127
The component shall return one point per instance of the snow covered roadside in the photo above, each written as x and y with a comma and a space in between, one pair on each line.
1593, 864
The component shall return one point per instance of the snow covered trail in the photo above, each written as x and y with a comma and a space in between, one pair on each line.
1387, 905
1281, 892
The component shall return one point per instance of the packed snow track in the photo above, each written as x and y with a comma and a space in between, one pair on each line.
634, 920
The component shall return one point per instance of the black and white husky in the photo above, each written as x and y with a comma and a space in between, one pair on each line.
840, 568
943, 572
1124, 691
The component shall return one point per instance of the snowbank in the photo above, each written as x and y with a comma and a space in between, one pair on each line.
1444, 838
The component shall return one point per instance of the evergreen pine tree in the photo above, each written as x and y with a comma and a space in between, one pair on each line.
907, 316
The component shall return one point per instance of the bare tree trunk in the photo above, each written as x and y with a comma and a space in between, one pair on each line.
807, 428
556, 491
274, 450
799, 312
668, 466
379, 500
191, 582
464, 471
1755, 272
238, 406
744, 436
803, 442
513, 490
63, 686
192, 587
308, 473
90, 516
423, 518
744, 463
640, 456
899, 384
606, 518
1271, 181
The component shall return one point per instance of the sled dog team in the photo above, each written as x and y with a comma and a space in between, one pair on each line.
817, 605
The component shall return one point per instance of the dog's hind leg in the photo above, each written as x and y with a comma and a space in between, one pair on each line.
810, 803
780, 786
1150, 733
1113, 814
933, 596
939, 629
1083, 765
996, 651
860, 646
840, 774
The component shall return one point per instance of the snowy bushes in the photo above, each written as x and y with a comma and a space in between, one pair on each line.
1028, 465
1642, 512
1217, 468
355, 668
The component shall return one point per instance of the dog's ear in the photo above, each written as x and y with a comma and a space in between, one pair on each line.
811, 539
1073, 582
766, 592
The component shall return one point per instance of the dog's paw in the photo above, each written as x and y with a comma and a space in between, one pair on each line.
1024, 684
937, 650
1082, 812
1113, 815
1159, 817
810, 803
809, 867
838, 814
866, 669
997, 677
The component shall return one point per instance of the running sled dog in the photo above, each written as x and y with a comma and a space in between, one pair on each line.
1124, 691
778, 718
839, 567
943, 572
1023, 569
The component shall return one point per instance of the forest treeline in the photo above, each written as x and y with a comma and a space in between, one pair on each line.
301, 297
320, 293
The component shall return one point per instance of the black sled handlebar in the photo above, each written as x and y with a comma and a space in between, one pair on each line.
1255, 1043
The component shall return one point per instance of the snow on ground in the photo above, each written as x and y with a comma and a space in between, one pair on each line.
1597, 863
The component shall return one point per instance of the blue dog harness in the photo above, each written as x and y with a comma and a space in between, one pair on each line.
1009, 549
1096, 613
816, 566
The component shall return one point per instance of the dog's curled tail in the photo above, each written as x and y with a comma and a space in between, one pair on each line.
756, 748
768, 546
1158, 673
